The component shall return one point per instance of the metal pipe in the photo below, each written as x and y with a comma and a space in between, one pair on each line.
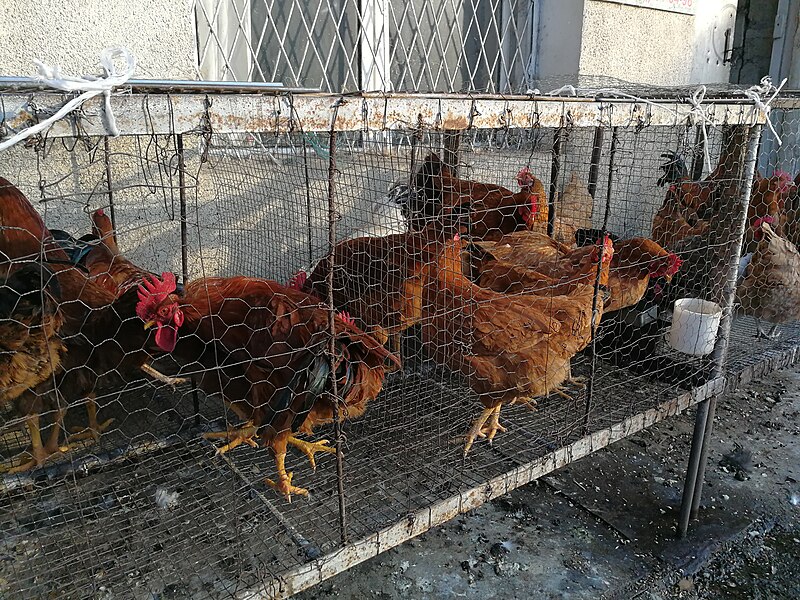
176, 86
734, 227
555, 173
337, 425
594, 165
185, 253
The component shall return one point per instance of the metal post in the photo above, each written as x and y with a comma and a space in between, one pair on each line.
609, 194
699, 154
107, 149
728, 234
185, 253
337, 425
594, 165
555, 173
452, 142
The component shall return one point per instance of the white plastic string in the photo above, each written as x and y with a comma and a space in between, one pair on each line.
699, 116
756, 92
90, 85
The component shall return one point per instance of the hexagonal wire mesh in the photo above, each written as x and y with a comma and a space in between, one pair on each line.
458, 279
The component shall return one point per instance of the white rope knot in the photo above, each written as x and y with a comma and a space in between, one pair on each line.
90, 85
699, 116
756, 92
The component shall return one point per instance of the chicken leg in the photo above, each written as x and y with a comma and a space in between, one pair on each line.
311, 448
39, 454
485, 426
94, 429
284, 483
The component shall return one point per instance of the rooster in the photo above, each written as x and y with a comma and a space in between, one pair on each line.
769, 289
30, 349
510, 348
265, 350
491, 210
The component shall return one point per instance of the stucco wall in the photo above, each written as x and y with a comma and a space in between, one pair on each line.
654, 46
159, 33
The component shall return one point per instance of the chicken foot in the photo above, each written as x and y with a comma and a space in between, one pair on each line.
39, 453
311, 448
773, 334
485, 426
236, 436
284, 483
94, 429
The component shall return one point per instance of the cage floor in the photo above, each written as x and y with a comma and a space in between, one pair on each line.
151, 510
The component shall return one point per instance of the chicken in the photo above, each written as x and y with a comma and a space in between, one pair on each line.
30, 346
770, 287
491, 210
790, 217
540, 253
636, 261
510, 348
99, 331
378, 281
265, 350
573, 210
676, 221
768, 198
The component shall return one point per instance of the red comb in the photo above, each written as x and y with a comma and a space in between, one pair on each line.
100, 212
761, 220
298, 280
152, 292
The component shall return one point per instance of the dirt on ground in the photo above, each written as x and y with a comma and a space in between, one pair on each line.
605, 526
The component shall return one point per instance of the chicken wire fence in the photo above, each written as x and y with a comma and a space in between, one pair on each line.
437, 310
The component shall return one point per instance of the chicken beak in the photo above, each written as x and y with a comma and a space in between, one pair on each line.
149, 324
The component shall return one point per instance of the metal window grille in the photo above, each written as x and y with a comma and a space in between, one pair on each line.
388, 45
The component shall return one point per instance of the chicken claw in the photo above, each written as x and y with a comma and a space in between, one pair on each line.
311, 448
485, 426
773, 334
159, 376
236, 436
284, 483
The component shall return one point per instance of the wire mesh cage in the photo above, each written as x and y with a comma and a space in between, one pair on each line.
386, 309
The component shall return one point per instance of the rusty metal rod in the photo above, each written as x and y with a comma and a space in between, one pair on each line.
609, 191
704, 420
185, 252
555, 173
337, 424
110, 189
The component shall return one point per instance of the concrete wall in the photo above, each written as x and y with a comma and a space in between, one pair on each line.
160, 33
657, 47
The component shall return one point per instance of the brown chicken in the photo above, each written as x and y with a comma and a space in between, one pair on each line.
541, 253
770, 287
675, 220
98, 330
30, 346
510, 348
265, 350
636, 261
768, 199
489, 210
379, 281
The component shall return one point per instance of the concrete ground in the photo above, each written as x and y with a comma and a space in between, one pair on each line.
604, 527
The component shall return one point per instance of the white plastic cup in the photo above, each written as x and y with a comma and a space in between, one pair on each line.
695, 324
